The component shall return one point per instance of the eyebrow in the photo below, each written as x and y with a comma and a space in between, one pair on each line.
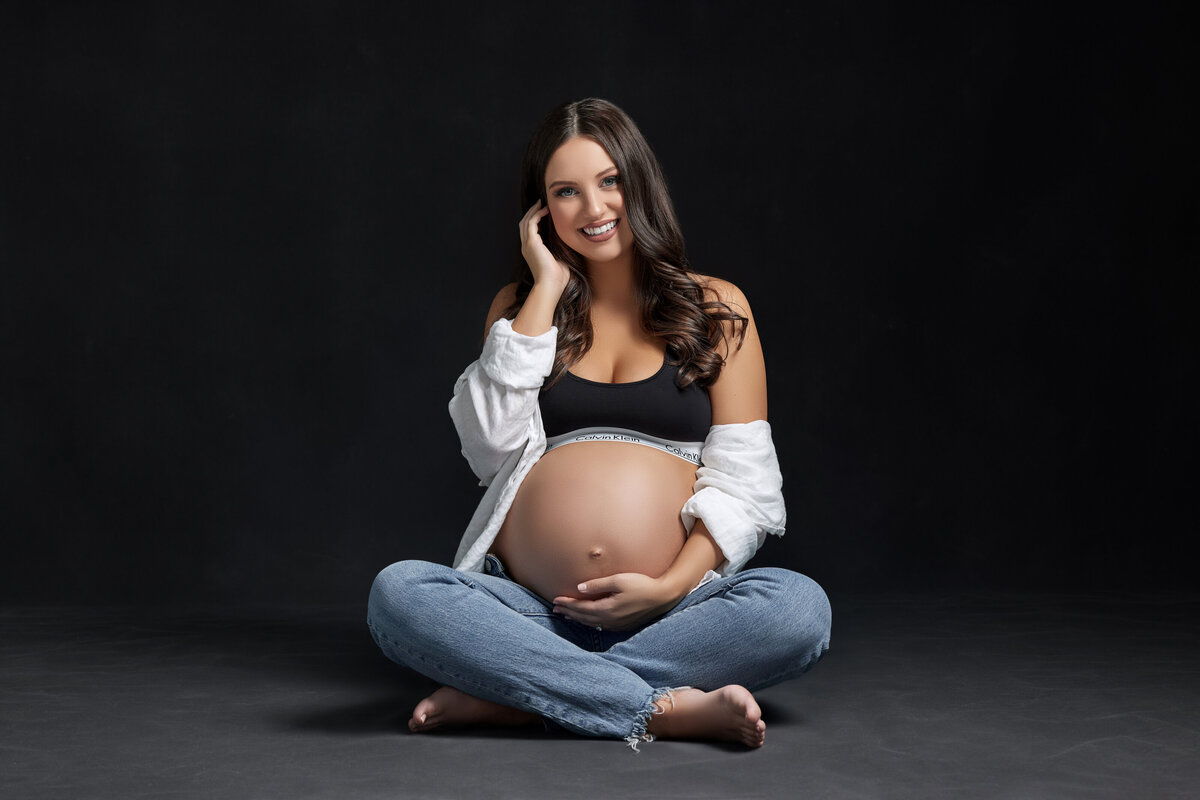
598, 174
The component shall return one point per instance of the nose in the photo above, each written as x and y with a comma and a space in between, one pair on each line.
595, 204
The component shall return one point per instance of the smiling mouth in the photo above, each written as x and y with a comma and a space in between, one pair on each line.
600, 230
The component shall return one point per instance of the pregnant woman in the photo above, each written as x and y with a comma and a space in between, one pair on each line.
618, 417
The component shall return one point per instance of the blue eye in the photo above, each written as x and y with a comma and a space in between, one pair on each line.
606, 182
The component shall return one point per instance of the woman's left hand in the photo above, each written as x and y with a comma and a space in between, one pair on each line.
618, 602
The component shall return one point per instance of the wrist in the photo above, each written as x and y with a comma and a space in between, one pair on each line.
700, 553
549, 289
673, 586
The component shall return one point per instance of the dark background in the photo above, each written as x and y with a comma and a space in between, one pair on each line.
245, 254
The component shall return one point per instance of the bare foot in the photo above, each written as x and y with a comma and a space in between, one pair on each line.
448, 707
727, 714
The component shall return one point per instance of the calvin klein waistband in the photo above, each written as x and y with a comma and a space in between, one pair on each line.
688, 451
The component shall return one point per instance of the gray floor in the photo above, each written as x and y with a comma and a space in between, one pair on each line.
923, 696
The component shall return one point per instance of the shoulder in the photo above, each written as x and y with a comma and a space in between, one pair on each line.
504, 298
735, 332
723, 291
739, 393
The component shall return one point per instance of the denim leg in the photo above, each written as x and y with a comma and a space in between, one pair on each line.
496, 640
755, 628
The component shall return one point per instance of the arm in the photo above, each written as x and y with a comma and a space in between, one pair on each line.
738, 492
495, 397
621, 601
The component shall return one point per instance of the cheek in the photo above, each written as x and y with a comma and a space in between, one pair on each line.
561, 221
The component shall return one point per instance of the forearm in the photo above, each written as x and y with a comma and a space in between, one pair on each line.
699, 554
537, 314
630, 598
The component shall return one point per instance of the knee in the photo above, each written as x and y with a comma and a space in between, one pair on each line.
397, 585
803, 611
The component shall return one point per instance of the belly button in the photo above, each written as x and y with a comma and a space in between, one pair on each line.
596, 553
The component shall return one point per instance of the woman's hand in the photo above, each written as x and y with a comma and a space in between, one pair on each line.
620, 601
546, 269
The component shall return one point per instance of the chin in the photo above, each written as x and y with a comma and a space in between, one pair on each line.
608, 251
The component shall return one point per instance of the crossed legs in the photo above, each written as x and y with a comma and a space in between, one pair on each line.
504, 658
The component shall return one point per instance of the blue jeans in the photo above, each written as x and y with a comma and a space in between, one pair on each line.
490, 637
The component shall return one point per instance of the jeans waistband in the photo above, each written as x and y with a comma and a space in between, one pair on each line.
493, 566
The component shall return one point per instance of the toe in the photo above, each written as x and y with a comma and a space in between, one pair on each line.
421, 715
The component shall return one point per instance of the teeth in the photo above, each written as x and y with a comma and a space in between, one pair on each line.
602, 229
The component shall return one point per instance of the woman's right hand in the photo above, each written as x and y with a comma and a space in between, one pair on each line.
546, 269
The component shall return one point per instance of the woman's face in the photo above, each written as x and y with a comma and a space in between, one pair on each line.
587, 204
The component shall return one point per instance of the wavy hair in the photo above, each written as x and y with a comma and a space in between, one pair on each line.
671, 302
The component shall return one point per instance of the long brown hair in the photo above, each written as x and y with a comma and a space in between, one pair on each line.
671, 302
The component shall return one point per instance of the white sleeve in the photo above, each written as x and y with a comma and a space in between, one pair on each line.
496, 396
738, 492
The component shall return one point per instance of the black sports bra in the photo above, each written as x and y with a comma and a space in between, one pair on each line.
652, 411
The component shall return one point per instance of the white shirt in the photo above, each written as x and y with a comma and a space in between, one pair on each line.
499, 422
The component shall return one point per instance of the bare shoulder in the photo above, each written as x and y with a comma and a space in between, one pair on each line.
724, 291
504, 298
739, 393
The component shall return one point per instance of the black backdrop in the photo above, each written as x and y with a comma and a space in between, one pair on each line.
246, 253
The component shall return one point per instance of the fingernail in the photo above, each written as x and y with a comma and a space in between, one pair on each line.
582, 587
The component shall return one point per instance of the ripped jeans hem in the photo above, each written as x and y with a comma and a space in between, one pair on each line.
639, 734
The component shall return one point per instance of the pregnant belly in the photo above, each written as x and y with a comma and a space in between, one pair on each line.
591, 509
